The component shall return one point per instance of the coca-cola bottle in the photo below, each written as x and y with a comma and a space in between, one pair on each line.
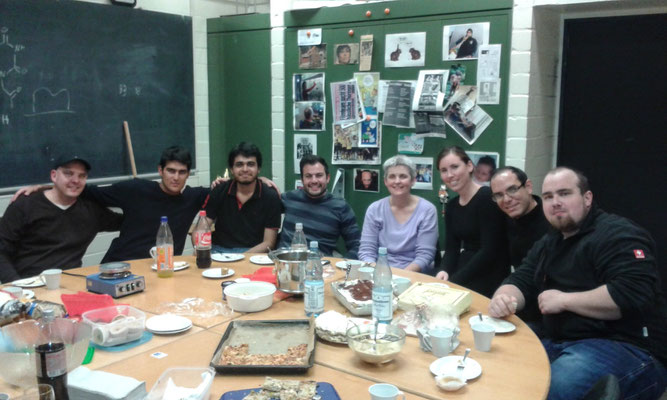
202, 239
50, 356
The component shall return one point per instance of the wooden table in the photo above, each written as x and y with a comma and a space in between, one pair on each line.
516, 367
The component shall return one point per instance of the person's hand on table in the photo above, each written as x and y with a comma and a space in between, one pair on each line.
502, 305
442, 275
27, 191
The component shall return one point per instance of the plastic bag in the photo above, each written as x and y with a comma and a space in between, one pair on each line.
196, 307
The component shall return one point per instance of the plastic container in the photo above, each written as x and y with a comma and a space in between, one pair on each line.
184, 383
115, 325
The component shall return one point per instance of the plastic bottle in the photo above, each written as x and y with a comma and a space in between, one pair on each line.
50, 356
313, 291
164, 244
202, 238
299, 238
383, 294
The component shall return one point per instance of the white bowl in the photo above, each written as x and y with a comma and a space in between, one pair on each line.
250, 296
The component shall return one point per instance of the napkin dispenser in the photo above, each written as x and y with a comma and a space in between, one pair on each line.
117, 287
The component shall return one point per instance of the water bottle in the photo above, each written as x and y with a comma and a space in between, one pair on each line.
299, 238
202, 239
50, 356
313, 288
383, 294
164, 244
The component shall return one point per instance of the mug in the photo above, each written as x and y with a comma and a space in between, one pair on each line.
442, 341
426, 344
51, 278
153, 252
365, 273
401, 284
385, 391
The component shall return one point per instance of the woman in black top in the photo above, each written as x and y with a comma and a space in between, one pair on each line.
475, 242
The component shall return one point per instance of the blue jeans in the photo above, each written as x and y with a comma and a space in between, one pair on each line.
220, 249
577, 365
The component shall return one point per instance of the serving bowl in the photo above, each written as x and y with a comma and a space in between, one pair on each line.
250, 296
376, 349
17, 342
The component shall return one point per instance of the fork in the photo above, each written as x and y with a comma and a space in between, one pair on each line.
462, 362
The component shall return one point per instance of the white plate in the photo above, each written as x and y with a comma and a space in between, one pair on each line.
227, 257
261, 260
447, 366
35, 281
217, 273
343, 264
501, 325
28, 294
178, 265
168, 324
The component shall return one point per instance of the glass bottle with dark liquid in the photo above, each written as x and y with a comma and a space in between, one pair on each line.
202, 241
51, 358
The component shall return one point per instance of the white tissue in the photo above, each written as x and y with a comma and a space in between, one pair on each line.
84, 384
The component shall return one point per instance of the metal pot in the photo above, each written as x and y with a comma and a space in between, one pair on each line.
290, 268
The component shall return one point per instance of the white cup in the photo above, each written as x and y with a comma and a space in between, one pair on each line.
441, 341
365, 273
14, 291
401, 284
51, 277
483, 334
153, 252
385, 391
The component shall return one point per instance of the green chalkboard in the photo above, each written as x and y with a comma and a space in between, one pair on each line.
72, 72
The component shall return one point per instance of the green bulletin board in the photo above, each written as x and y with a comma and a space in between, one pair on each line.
404, 17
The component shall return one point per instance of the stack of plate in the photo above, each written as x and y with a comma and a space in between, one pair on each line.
168, 324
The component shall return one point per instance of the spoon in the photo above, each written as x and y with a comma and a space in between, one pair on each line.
462, 362
480, 316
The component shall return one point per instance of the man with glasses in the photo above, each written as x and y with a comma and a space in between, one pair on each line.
246, 211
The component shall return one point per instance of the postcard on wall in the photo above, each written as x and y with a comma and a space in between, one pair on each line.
306, 37
409, 143
468, 121
368, 83
430, 122
298, 184
366, 53
405, 50
424, 167
488, 63
313, 57
485, 163
430, 95
366, 180
338, 188
309, 116
346, 53
304, 145
369, 133
457, 76
398, 105
308, 87
488, 91
346, 150
346, 102
463, 41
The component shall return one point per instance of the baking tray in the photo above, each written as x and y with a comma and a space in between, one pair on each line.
324, 389
267, 337
356, 309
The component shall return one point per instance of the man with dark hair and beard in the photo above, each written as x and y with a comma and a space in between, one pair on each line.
325, 218
245, 210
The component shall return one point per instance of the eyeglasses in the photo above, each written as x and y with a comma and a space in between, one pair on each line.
511, 191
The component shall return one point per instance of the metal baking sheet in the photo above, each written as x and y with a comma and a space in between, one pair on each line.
267, 337
324, 389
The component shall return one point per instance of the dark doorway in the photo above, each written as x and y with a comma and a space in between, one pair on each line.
613, 116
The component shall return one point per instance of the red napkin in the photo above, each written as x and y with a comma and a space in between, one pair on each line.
264, 274
77, 304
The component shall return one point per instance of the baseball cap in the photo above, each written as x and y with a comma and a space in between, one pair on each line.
64, 160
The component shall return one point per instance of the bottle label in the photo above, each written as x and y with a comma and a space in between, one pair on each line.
165, 258
313, 297
202, 239
56, 364
382, 307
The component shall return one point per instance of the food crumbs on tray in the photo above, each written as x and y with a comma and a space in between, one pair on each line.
284, 389
239, 355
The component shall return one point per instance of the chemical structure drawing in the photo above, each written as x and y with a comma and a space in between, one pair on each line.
10, 71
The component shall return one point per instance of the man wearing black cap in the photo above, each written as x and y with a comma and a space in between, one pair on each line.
52, 228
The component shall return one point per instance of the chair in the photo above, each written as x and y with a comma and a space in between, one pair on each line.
606, 388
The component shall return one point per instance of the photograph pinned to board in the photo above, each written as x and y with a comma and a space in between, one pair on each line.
346, 53
463, 41
304, 145
398, 104
485, 163
424, 167
410, 143
457, 76
309, 116
366, 180
366, 52
346, 149
369, 132
308, 87
298, 184
346, 102
430, 122
368, 83
313, 57
466, 118
405, 50
430, 93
